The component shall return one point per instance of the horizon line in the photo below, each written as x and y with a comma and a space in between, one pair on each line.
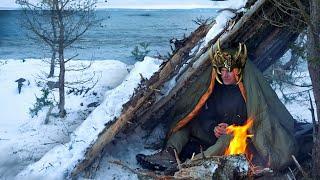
132, 8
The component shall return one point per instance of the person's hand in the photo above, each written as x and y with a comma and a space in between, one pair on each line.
221, 129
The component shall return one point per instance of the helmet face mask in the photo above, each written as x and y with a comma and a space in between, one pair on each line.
231, 60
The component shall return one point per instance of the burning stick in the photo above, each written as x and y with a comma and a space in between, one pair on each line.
192, 157
202, 153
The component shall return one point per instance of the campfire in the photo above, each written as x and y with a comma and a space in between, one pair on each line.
236, 161
238, 145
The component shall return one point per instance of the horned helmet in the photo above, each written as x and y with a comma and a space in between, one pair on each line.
229, 60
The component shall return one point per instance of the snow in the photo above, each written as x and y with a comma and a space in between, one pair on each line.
24, 139
223, 18
62, 158
61, 142
299, 107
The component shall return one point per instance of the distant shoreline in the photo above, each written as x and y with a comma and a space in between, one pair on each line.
117, 8
115, 37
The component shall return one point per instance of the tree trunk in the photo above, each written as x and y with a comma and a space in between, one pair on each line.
62, 111
52, 64
53, 49
314, 70
314, 52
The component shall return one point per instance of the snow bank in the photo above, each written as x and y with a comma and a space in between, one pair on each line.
58, 162
15, 107
24, 139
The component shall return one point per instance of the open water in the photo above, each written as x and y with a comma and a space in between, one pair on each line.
113, 38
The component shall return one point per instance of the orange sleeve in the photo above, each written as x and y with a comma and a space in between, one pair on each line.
197, 108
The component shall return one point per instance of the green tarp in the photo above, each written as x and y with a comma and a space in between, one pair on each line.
273, 125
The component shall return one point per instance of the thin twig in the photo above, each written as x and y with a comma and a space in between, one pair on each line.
202, 153
147, 174
315, 126
50, 143
177, 158
293, 176
57, 142
71, 58
192, 157
46, 120
299, 167
154, 89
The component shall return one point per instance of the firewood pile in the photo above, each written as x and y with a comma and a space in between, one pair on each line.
228, 167
220, 167
214, 167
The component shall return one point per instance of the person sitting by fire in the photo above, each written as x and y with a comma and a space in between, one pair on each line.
231, 92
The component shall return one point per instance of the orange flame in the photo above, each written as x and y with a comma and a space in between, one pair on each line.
238, 144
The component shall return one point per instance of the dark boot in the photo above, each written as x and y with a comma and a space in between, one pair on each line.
161, 161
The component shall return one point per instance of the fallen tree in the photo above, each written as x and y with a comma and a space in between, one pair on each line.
154, 99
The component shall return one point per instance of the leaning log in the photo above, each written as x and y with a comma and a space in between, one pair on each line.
141, 97
266, 43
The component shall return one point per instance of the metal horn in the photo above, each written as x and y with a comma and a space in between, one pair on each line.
217, 78
218, 70
244, 56
219, 47
239, 51
239, 79
240, 70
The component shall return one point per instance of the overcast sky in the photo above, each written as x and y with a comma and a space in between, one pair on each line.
146, 4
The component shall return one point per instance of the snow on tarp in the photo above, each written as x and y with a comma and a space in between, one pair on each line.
223, 18
61, 159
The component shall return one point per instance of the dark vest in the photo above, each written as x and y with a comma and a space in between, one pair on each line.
226, 104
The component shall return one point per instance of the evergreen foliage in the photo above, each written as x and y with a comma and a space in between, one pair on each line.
140, 53
284, 75
41, 102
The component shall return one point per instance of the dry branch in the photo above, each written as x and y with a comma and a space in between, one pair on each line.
299, 166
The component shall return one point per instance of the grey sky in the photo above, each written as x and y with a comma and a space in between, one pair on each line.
148, 4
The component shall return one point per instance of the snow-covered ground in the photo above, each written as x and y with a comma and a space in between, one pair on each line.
61, 159
61, 142
24, 139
